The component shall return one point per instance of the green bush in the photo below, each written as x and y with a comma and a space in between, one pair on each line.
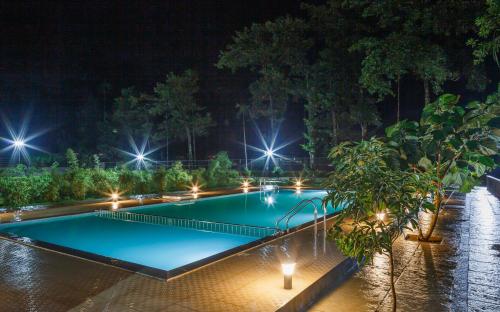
177, 177
219, 172
199, 177
135, 181
103, 181
160, 181
53, 190
16, 191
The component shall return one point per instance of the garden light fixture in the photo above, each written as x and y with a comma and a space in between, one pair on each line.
288, 269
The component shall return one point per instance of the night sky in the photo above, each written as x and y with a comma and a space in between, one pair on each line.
54, 55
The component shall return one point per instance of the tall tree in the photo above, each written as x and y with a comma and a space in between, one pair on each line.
488, 33
181, 117
273, 50
243, 112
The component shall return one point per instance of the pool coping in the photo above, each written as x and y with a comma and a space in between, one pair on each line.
147, 270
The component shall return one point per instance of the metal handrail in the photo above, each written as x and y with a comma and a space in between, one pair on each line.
212, 226
299, 206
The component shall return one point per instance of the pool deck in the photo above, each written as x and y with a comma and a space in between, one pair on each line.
248, 281
459, 274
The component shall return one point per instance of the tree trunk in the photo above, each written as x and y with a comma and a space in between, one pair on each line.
435, 216
398, 101
334, 127
437, 201
245, 142
194, 145
364, 131
393, 288
427, 92
272, 115
190, 147
167, 134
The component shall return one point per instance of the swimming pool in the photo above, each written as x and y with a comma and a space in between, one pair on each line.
167, 237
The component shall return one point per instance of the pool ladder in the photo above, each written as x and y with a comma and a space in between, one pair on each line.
301, 205
298, 207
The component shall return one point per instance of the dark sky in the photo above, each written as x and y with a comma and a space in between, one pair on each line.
55, 54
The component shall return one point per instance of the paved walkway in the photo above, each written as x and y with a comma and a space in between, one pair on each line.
460, 274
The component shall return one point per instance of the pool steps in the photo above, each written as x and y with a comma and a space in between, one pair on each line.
211, 226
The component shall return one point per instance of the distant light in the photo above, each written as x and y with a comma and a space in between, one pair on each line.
269, 153
298, 191
245, 184
288, 269
195, 189
380, 216
114, 205
140, 157
298, 183
115, 196
19, 143
195, 195
245, 190
269, 200
268, 187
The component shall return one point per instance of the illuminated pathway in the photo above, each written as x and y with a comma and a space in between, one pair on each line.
461, 274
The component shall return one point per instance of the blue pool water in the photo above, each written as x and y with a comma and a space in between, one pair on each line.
167, 247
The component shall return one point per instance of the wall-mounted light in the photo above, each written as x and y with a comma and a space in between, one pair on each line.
288, 269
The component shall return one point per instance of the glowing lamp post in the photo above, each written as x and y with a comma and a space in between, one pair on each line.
288, 269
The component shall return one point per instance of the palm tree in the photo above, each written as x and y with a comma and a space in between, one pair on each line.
243, 110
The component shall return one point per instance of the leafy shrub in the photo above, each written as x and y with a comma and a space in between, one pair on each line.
199, 176
53, 190
103, 181
79, 183
219, 172
177, 177
143, 182
277, 171
160, 181
126, 181
15, 191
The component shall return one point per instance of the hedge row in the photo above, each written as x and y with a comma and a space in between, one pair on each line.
22, 186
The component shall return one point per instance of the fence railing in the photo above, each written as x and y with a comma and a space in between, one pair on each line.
229, 228
493, 185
